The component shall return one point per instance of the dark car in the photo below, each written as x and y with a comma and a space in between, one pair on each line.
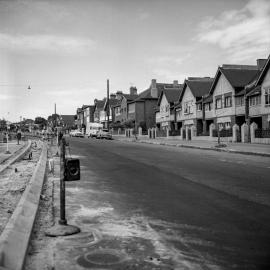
104, 134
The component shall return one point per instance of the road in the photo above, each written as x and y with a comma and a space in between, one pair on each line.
173, 208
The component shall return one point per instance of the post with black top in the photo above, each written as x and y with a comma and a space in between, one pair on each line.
62, 220
69, 171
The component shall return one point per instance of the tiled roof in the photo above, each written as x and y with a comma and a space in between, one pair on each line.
263, 72
68, 119
199, 87
146, 94
255, 91
208, 99
172, 95
239, 77
129, 97
100, 104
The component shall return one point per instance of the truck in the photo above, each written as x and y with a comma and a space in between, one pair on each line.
92, 129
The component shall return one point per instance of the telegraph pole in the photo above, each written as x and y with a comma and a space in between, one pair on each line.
108, 103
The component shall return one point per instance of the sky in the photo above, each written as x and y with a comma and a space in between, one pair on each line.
66, 50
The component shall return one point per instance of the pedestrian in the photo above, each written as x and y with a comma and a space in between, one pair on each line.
19, 136
60, 136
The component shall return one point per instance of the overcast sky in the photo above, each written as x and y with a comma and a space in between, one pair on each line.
65, 50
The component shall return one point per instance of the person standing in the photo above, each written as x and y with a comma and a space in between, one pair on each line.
19, 136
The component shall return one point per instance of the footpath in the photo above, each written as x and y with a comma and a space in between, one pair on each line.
13, 147
238, 148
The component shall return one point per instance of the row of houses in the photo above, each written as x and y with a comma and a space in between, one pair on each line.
237, 94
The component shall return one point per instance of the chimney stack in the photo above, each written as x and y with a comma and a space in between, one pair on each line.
112, 96
154, 91
133, 90
119, 94
261, 63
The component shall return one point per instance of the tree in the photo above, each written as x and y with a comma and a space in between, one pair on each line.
3, 124
42, 122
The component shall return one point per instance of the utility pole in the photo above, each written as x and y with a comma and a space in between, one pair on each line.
108, 103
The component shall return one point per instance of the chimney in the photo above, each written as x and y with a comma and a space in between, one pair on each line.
119, 94
261, 63
154, 91
175, 83
112, 96
133, 90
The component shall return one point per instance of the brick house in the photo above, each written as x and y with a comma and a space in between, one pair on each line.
120, 109
142, 110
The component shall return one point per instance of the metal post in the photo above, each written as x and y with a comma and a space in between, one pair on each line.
7, 151
62, 220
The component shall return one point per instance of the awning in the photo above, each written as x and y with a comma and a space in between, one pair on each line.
224, 119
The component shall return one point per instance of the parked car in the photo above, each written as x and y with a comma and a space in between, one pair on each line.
76, 133
104, 134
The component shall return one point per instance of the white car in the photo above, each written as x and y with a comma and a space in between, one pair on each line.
76, 133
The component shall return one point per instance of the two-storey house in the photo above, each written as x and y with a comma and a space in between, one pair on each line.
142, 111
189, 108
120, 109
228, 91
165, 116
258, 97
99, 113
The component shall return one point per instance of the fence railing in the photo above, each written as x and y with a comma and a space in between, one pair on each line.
144, 132
262, 133
174, 133
203, 133
223, 133
161, 133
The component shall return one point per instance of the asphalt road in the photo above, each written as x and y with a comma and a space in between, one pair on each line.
175, 207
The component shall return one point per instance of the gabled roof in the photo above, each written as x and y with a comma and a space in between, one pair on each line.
99, 104
199, 86
112, 102
172, 95
67, 119
146, 94
263, 72
238, 76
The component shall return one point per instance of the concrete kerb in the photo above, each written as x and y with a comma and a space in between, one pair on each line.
18, 156
15, 238
206, 148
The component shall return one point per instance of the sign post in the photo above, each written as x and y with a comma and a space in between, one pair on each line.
62, 228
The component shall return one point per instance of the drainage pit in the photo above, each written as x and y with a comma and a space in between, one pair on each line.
102, 257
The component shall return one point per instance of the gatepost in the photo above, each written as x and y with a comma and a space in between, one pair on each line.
193, 132
211, 128
253, 127
235, 130
244, 133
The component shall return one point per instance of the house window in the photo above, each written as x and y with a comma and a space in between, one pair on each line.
218, 103
227, 125
208, 106
255, 100
199, 106
187, 108
220, 126
267, 96
228, 102
239, 101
